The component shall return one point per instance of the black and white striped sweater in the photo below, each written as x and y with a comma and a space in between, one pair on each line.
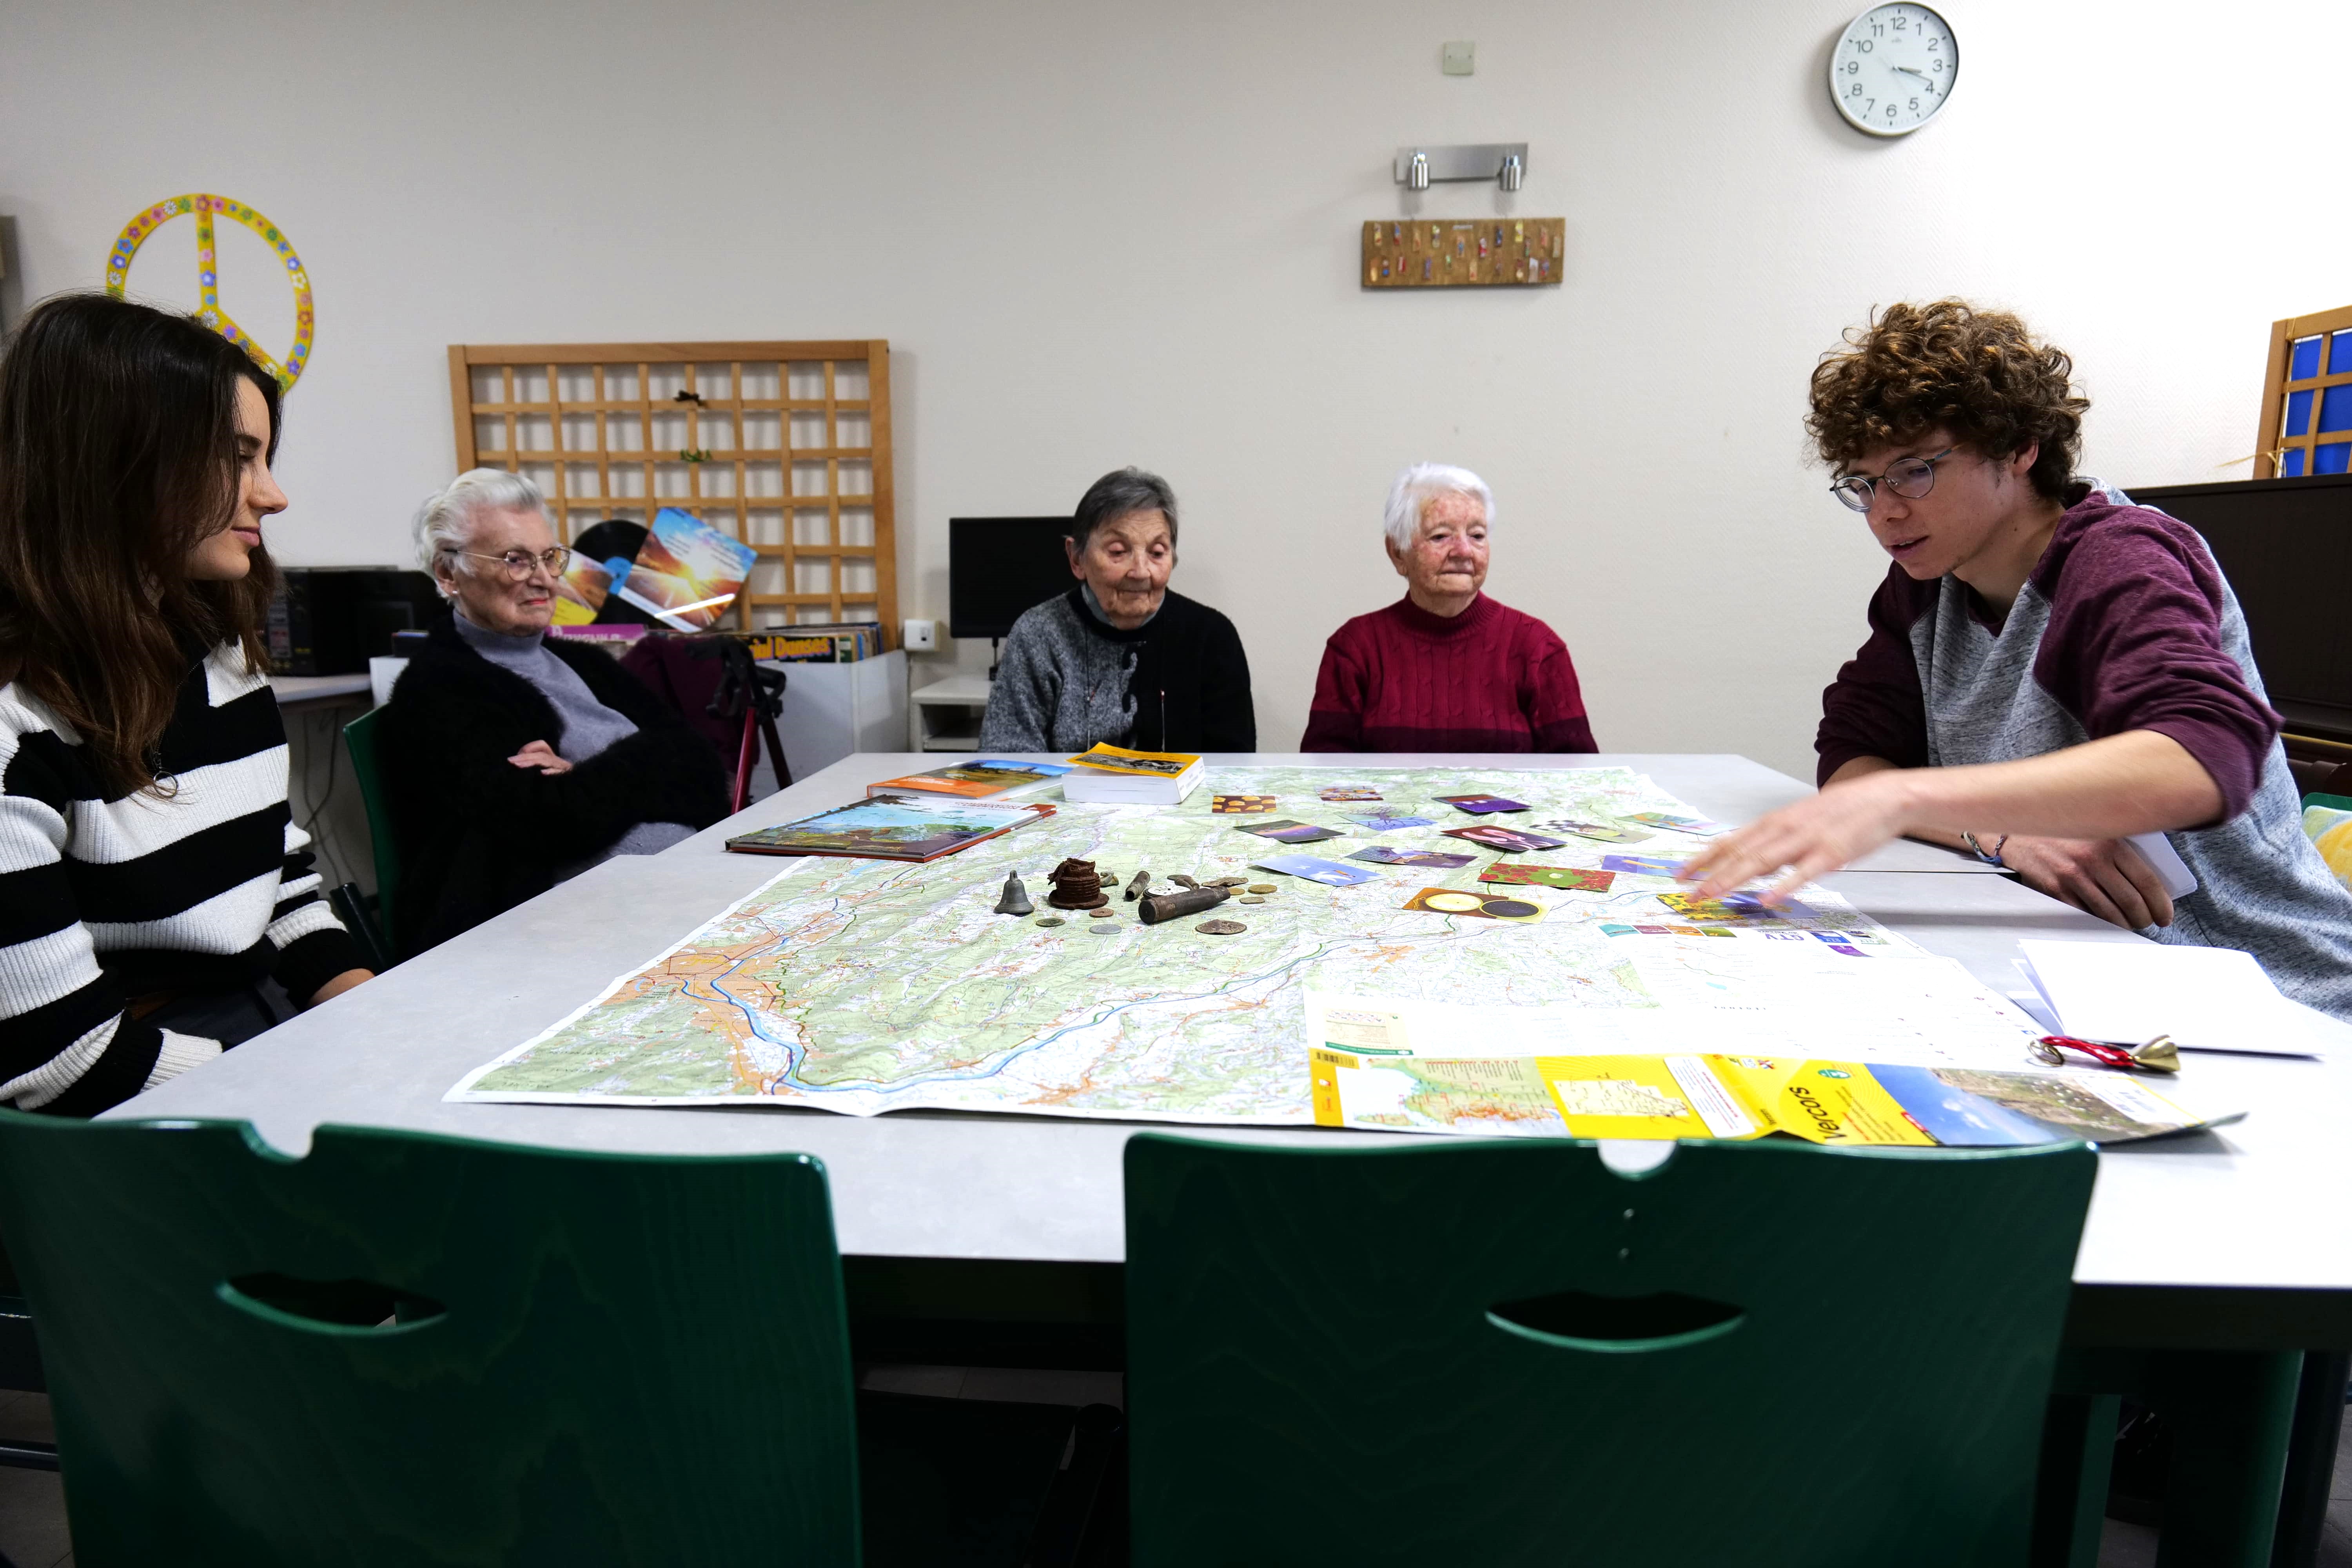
104, 901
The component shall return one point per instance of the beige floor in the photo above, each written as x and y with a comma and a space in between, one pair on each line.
33, 1508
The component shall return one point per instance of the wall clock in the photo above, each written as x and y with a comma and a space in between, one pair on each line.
1893, 69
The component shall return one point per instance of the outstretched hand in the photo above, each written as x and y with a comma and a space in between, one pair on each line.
1810, 839
541, 755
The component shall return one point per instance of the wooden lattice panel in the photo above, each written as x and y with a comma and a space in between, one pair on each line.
788, 448
2307, 397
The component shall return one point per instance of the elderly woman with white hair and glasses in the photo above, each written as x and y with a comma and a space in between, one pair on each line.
511, 762
1445, 669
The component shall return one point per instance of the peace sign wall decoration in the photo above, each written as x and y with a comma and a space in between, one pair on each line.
206, 208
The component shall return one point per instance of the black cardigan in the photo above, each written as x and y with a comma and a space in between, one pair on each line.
478, 834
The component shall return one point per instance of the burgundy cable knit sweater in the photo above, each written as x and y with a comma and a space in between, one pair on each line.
1488, 680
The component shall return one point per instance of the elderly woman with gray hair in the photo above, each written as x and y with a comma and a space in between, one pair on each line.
1445, 669
511, 762
1122, 658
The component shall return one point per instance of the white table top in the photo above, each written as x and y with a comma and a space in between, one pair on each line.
293, 690
2253, 1205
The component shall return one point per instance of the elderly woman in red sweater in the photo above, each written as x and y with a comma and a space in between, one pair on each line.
1445, 669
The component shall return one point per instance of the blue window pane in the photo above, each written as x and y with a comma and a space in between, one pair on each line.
2336, 458
2303, 359
2339, 352
2291, 466
2336, 408
2298, 413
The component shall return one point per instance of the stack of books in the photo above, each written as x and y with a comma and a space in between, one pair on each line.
1113, 775
837, 642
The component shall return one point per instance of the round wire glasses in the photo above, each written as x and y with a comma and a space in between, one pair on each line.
519, 562
1909, 478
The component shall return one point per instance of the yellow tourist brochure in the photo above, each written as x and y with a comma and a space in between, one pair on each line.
1853, 1104
1113, 758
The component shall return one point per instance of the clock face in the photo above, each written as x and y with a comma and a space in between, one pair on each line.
1894, 68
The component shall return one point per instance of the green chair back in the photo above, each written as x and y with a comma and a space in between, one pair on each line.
359, 737
403, 1349
1504, 1352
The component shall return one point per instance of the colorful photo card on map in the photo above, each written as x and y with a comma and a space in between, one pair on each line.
1380, 822
1381, 854
1735, 908
1287, 830
1643, 865
1697, 826
1239, 805
1477, 906
1574, 881
1601, 832
1329, 872
1480, 805
1508, 840
1346, 791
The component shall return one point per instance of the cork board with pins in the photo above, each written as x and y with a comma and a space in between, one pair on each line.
1448, 253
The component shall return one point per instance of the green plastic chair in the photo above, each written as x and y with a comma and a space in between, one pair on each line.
1506, 1352
358, 739
401, 1349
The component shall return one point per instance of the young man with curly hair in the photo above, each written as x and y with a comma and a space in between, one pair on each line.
2051, 671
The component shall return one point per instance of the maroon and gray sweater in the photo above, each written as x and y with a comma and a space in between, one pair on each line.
2125, 624
1488, 680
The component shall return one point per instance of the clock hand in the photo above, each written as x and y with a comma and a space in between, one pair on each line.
1913, 70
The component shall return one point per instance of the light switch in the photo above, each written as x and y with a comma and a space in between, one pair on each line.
1459, 57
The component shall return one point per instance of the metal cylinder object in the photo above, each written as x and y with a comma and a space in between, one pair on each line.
1154, 907
1416, 173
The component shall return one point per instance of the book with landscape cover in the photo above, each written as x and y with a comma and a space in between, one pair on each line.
973, 781
891, 827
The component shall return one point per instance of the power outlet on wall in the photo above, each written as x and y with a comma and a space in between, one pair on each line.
920, 637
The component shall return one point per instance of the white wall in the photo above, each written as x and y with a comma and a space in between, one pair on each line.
1105, 232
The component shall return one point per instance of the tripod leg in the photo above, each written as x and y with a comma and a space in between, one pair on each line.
743, 754
776, 750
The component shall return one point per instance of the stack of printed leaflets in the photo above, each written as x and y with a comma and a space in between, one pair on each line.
892, 827
1113, 775
974, 780
1952, 1071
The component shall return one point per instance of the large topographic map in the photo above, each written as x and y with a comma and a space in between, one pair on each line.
865, 986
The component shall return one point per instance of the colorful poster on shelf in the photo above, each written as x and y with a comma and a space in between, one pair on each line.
687, 572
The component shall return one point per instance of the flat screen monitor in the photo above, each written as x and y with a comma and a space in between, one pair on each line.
1000, 567
2285, 546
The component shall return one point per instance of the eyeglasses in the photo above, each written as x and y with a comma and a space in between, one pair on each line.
519, 562
1909, 478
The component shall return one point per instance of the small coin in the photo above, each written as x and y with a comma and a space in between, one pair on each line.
1051, 921
1220, 928
1260, 887
1098, 914
1250, 898
1104, 930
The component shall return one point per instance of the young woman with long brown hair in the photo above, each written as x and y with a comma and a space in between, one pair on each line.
152, 878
